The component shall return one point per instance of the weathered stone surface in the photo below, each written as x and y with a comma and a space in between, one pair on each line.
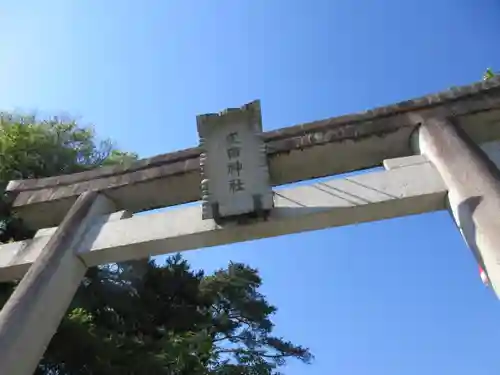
300, 152
473, 183
362, 198
492, 149
32, 314
234, 172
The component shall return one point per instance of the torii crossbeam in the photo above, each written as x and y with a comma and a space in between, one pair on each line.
438, 152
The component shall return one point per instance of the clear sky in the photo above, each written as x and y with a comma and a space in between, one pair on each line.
386, 298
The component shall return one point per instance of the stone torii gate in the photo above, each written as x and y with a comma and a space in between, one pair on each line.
434, 151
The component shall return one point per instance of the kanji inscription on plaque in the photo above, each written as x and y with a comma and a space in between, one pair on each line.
235, 175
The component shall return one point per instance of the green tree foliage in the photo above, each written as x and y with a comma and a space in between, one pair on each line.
172, 320
32, 149
139, 317
489, 74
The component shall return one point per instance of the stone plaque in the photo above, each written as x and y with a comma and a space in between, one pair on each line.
235, 175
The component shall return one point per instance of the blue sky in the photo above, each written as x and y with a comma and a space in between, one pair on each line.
387, 298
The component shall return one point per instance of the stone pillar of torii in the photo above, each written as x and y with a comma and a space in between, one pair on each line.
439, 152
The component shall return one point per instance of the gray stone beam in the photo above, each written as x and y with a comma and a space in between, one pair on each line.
372, 196
300, 152
492, 150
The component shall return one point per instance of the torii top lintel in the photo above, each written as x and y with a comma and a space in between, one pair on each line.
295, 153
